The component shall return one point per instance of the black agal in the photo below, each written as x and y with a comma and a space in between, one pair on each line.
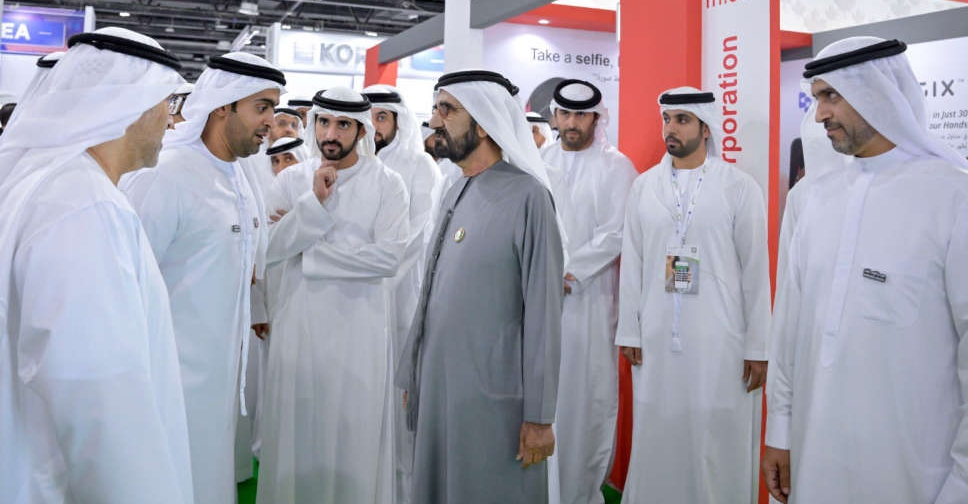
389, 97
340, 105
243, 68
126, 46
837, 61
296, 142
686, 98
569, 104
476, 76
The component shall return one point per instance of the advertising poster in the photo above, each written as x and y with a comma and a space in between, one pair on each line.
537, 58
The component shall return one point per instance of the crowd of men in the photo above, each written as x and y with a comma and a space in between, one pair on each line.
383, 311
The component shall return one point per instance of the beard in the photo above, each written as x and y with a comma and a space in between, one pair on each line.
382, 141
457, 149
342, 153
853, 140
579, 143
676, 148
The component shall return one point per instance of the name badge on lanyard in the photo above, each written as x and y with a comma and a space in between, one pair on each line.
682, 269
682, 260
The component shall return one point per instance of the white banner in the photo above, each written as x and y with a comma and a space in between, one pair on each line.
736, 67
940, 68
536, 58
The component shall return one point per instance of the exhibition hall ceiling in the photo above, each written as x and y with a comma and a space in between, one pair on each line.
813, 16
197, 29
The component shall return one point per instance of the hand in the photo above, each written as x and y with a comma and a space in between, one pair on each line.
261, 330
754, 374
323, 181
280, 213
633, 354
776, 472
569, 278
536, 443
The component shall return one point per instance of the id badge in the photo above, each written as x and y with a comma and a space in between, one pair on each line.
682, 269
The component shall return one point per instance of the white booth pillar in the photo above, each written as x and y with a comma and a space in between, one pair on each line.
464, 45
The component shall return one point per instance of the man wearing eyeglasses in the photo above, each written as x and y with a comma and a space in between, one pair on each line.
177, 101
480, 368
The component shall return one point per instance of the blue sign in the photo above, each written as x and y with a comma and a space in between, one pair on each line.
38, 30
430, 60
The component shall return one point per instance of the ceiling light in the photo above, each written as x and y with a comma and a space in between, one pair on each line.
169, 29
413, 16
249, 8
286, 27
544, 21
371, 34
223, 45
124, 14
220, 25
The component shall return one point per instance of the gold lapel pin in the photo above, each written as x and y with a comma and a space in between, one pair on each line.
459, 235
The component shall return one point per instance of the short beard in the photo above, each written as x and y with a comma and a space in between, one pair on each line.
852, 142
685, 149
341, 154
579, 144
382, 141
459, 149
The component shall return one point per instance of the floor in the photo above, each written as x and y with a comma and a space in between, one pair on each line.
247, 491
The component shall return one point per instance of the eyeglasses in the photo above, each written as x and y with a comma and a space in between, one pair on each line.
444, 109
175, 104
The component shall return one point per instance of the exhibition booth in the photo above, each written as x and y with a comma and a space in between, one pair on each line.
735, 48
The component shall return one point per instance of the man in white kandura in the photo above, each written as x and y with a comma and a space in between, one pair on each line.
260, 173
399, 145
869, 371
595, 178
204, 222
326, 430
91, 405
694, 315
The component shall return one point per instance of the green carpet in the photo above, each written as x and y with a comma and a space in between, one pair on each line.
247, 490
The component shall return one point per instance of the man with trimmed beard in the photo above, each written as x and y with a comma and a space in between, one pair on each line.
400, 146
204, 222
480, 368
595, 178
869, 370
694, 315
326, 429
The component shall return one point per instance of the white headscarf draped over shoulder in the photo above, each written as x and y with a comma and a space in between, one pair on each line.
387, 97
875, 77
228, 78
101, 89
582, 96
489, 98
699, 103
104, 83
341, 101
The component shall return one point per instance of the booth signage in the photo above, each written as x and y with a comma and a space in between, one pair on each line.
38, 30
736, 68
322, 52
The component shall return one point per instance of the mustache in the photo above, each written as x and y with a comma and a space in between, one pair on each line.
672, 138
331, 142
829, 125
571, 130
